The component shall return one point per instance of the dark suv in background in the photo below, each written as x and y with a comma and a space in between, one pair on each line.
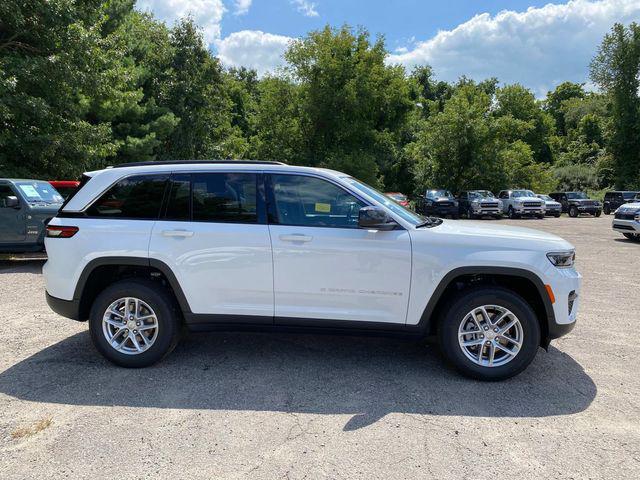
437, 203
26, 206
613, 200
575, 203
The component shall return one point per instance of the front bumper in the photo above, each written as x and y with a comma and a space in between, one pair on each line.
483, 210
553, 211
529, 210
590, 210
626, 226
66, 308
565, 283
442, 211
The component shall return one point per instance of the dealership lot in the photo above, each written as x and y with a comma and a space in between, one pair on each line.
293, 406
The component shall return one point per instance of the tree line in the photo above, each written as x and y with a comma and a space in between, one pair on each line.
88, 84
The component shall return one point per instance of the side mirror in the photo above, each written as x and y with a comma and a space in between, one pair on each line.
11, 202
375, 218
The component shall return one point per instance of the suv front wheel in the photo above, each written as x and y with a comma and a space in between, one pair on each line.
133, 323
489, 333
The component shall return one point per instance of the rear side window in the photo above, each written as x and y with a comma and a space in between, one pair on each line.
224, 197
138, 197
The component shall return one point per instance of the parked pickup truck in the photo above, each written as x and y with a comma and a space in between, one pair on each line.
26, 206
520, 203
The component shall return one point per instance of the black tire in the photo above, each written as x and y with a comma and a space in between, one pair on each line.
466, 301
634, 237
557, 215
470, 214
455, 217
159, 299
541, 216
512, 214
573, 211
607, 211
598, 213
497, 217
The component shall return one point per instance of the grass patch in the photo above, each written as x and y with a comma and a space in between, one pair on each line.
25, 432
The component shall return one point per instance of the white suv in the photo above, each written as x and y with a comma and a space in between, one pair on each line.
142, 250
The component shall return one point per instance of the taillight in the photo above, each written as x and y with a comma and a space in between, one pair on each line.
55, 231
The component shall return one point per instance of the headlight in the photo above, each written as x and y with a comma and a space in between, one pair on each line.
500, 204
455, 203
562, 259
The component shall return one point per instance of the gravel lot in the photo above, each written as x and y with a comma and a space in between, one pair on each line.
293, 406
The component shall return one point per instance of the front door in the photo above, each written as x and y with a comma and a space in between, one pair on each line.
215, 240
325, 267
12, 220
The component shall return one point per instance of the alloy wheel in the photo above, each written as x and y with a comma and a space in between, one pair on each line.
130, 326
490, 336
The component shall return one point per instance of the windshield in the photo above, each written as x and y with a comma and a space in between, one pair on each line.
545, 197
39, 192
396, 208
438, 193
481, 194
522, 193
628, 195
576, 195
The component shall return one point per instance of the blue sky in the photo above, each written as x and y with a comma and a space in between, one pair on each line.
536, 43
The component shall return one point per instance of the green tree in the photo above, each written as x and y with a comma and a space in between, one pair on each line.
353, 105
616, 69
556, 98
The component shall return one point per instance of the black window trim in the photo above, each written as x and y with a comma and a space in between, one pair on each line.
270, 199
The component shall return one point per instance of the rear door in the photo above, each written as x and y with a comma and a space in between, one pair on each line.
325, 267
213, 235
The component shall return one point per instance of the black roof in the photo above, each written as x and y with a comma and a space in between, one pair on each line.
191, 162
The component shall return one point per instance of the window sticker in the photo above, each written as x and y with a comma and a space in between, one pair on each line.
323, 207
29, 191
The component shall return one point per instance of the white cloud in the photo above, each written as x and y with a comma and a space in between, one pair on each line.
206, 13
242, 7
253, 49
305, 7
539, 48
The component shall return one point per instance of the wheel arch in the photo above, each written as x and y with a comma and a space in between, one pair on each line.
103, 271
523, 282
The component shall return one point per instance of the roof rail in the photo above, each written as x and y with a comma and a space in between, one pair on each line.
191, 162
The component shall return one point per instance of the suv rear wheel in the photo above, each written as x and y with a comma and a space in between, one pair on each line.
133, 323
489, 333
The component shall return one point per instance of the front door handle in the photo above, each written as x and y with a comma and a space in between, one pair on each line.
296, 237
177, 233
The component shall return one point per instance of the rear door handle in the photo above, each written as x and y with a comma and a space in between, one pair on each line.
177, 233
296, 237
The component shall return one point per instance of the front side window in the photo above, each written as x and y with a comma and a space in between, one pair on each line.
138, 197
313, 202
576, 195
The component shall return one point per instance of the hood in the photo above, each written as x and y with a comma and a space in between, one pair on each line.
442, 199
499, 236
582, 200
44, 208
528, 199
551, 202
630, 206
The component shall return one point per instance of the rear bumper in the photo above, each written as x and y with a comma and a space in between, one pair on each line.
66, 308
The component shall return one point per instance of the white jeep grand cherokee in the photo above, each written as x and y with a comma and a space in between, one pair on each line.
142, 250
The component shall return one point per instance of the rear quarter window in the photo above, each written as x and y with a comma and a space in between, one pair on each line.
137, 197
